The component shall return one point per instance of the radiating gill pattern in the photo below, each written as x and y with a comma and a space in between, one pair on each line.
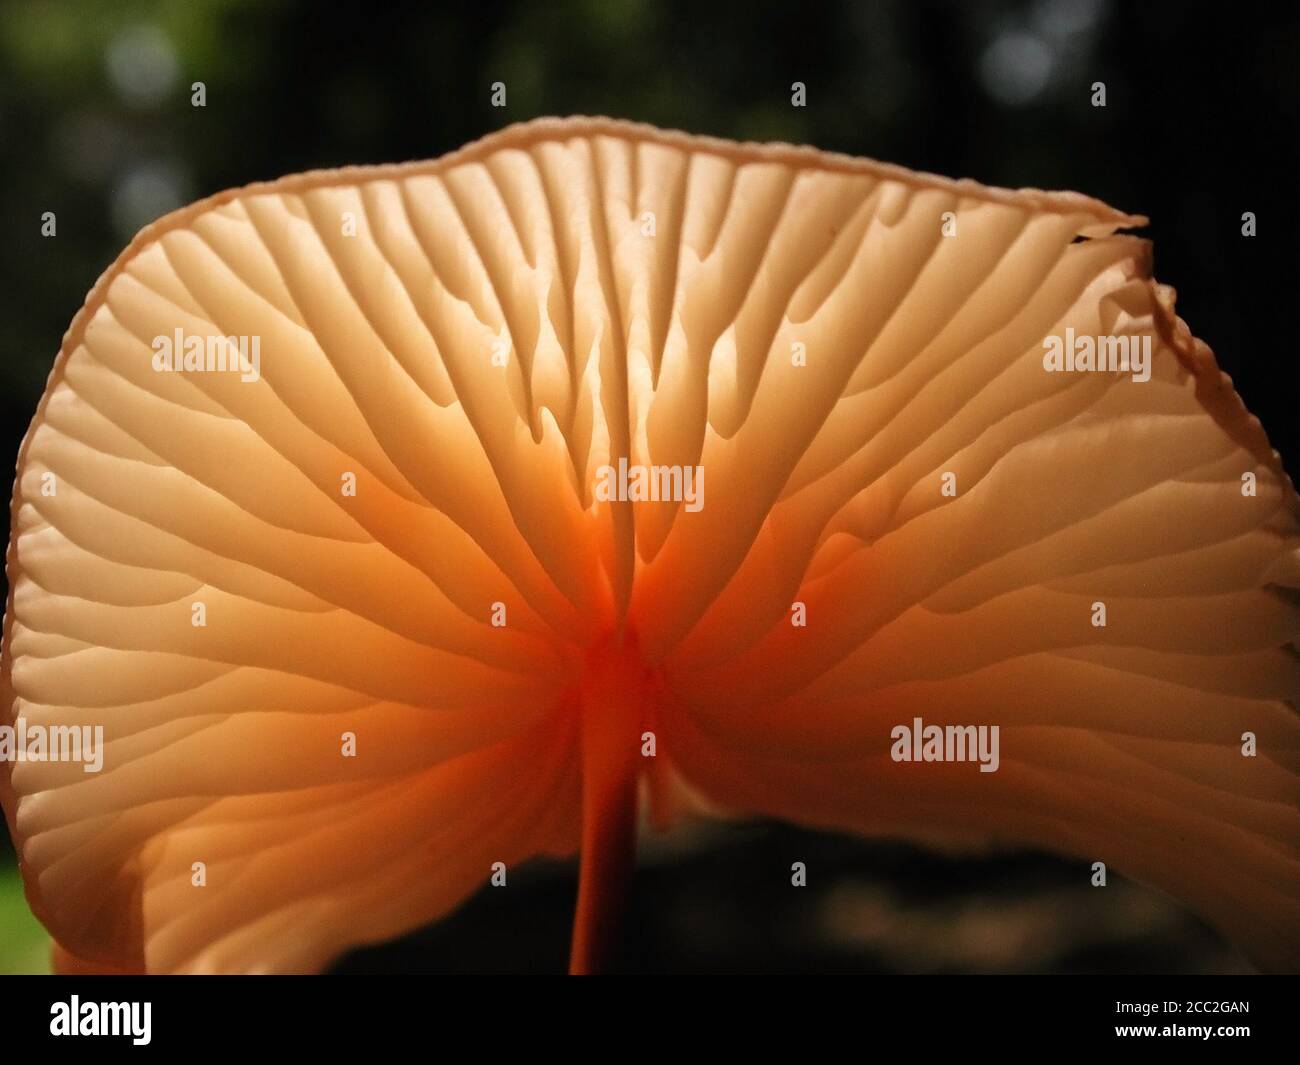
471, 340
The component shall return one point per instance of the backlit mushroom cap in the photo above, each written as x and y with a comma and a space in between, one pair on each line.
409, 517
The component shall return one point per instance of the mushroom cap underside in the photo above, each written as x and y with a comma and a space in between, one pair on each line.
404, 508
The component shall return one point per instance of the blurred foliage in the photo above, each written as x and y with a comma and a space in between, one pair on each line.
96, 125
24, 944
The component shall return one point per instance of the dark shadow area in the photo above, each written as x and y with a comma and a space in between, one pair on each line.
724, 903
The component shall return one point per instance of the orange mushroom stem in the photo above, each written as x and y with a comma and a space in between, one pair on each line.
611, 701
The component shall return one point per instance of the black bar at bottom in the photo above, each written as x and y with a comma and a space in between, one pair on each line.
447, 1017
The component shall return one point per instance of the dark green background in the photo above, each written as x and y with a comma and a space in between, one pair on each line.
96, 125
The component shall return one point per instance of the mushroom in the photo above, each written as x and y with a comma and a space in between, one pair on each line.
365, 512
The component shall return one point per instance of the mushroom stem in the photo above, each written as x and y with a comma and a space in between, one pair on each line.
611, 723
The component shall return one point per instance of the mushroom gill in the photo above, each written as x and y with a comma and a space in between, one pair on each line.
589, 441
